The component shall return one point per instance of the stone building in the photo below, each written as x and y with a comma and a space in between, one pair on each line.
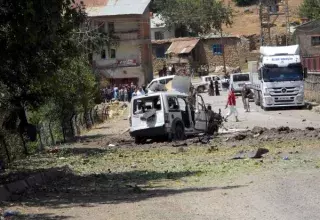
185, 52
307, 36
229, 49
131, 60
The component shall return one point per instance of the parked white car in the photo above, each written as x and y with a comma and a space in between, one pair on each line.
207, 79
238, 80
167, 114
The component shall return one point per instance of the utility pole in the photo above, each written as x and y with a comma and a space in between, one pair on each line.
269, 13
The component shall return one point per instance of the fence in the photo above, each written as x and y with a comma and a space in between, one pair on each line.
312, 87
53, 132
50, 133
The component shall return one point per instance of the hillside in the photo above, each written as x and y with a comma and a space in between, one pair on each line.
246, 20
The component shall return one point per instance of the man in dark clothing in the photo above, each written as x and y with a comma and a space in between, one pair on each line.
246, 95
164, 70
173, 70
216, 83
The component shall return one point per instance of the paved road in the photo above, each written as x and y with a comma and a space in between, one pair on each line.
293, 118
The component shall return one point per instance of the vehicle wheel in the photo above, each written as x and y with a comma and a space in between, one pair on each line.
200, 89
261, 101
178, 133
139, 140
257, 98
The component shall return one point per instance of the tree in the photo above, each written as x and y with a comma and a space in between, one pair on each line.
244, 2
198, 16
310, 9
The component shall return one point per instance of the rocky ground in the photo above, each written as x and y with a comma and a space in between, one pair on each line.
257, 174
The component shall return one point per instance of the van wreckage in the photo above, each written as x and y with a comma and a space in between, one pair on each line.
171, 112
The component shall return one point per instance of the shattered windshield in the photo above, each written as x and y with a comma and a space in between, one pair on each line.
145, 104
280, 74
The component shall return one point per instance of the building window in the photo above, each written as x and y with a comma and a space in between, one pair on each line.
101, 27
315, 41
111, 27
112, 53
160, 52
217, 49
103, 54
158, 35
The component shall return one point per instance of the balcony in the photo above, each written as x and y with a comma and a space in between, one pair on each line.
130, 35
116, 63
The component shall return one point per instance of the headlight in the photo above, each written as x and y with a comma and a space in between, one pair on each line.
301, 89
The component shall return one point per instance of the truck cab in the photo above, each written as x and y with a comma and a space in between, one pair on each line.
279, 81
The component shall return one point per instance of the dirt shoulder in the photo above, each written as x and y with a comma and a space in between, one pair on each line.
192, 181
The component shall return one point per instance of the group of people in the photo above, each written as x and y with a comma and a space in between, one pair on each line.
246, 94
171, 70
123, 92
214, 88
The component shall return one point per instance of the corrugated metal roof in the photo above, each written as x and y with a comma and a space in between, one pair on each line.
183, 46
97, 8
170, 40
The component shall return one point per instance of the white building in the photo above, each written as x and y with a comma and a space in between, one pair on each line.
159, 31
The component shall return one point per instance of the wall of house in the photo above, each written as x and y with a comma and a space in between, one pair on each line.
167, 33
135, 43
235, 52
305, 44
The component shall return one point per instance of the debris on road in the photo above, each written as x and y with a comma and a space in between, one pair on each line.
284, 129
258, 153
240, 137
180, 144
239, 155
310, 128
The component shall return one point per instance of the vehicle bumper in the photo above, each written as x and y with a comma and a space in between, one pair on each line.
150, 132
283, 101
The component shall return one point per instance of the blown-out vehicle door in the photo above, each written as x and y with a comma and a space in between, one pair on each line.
201, 119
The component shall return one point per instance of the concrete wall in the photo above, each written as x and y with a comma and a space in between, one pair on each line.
167, 33
135, 43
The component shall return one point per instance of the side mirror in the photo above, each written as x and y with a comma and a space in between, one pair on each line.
305, 72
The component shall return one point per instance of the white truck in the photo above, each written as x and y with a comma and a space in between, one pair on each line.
278, 80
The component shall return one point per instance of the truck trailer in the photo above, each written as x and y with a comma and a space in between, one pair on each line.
278, 80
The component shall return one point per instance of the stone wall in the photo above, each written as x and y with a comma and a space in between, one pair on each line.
235, 50
312, 87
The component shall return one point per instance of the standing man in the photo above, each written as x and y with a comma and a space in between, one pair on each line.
231, 103
246, 95
164, 70
216, 83
173, 70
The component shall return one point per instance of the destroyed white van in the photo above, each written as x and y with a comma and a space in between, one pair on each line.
168, 114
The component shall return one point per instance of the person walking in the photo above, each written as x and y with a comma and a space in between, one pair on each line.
246, 95
231, 103
216, 84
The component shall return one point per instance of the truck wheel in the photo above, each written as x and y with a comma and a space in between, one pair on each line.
261, 100
178, 133
200, 89
257, 98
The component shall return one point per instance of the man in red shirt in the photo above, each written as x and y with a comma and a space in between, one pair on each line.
232, 105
